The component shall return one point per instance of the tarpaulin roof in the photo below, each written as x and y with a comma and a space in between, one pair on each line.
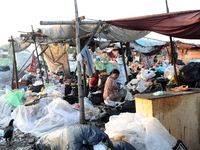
183, 24
105, 31
149, 42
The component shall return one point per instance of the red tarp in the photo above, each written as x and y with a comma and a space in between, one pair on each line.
32, 66
184, 24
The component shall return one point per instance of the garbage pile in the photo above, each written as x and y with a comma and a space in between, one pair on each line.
46, 109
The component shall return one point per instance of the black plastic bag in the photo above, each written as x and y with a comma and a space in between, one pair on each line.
4, 68
68, 89
128, 106
102, 79
108, 111
190, 72
154, 88
71, 99
37, 88
75, 91
122, 145
96, 99
74, 137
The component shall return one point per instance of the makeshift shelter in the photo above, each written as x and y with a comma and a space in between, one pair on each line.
148, 46
56, 57
65, 34
183, 24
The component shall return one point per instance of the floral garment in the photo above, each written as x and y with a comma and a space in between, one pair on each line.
111, 90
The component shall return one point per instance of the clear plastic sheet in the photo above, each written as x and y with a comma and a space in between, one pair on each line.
45, 116
5, 108
143, 133
5, 78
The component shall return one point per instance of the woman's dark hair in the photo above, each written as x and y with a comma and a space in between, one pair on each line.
116, 71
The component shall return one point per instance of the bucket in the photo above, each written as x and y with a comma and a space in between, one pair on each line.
23, 87
19, 83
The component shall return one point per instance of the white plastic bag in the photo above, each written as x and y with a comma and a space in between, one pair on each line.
147, 74
129, 96
144, 133
100, 146
157, 136
169, 72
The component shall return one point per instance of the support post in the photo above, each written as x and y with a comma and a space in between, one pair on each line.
80, 92
14, 64
173, 52
33, 37
84, 62
123, 59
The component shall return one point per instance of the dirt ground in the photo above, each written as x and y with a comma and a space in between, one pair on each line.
20, 141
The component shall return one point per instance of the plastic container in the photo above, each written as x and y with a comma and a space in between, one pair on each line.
23, 87
19, 83
1, 133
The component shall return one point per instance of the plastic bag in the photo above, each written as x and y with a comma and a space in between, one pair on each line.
160, 69
143, 133
14, 98
74, 137
147, 74
100, 66
109, 67
122, 145
100, 146
169, 72
129, 96
157, 136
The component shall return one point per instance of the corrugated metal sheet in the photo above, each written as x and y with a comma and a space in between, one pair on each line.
149, 42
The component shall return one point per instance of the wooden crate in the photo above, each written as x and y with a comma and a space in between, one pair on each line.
178, 112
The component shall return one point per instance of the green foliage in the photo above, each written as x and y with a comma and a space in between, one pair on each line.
5, 46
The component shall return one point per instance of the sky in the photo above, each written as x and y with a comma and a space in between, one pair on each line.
19, 16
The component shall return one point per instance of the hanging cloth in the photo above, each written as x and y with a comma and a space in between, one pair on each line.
89, 65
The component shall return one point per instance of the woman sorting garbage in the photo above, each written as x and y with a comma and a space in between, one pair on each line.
111, 93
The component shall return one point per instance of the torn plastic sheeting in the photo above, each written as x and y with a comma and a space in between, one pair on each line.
45, 116
5, 78
144, 133
5, 108
74, 137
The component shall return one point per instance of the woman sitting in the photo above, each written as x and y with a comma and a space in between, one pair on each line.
111, 93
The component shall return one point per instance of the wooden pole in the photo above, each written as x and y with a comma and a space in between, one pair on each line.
67, 22
123, 59
29, 64
173, 52
47, 77
84, 61
80, 92
26, 61
33, 37
14, 64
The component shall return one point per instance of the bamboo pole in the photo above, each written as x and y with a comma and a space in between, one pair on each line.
67, 22
29, 64
80, 92
123, 59
84, 61
47, 77
173, 52
14, 64
33, 37
26, 60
